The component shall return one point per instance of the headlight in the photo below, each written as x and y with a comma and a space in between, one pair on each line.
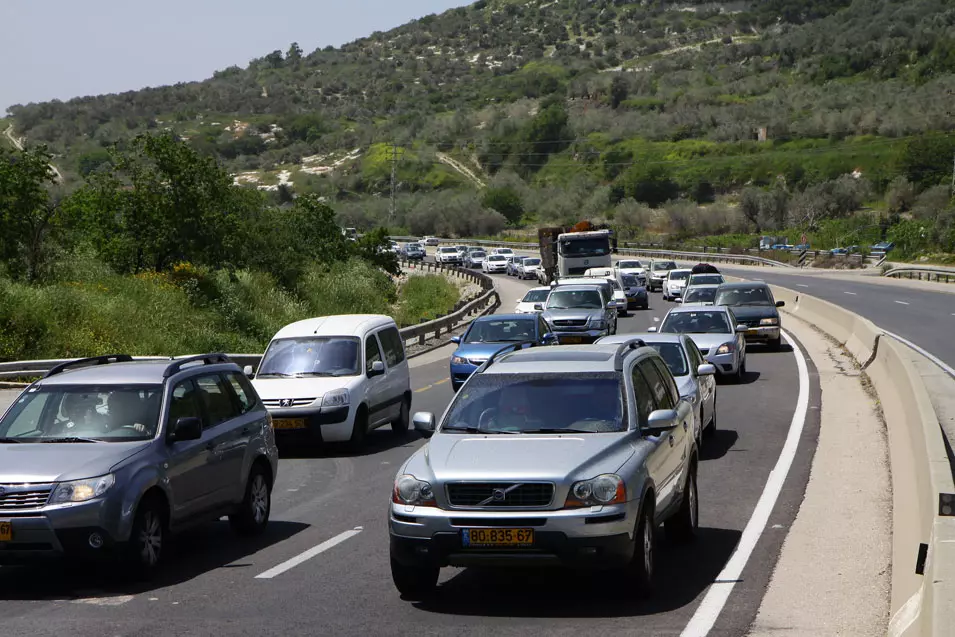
410, 490
604, 489
336, 398
769, 321
597, 324
82, 490
457, 360
725, 348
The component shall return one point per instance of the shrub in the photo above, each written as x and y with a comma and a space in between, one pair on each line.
425, 297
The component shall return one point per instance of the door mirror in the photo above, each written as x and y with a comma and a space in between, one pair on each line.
661, 421
455, 339
549, 337
248, 371
189, 428
377, 369
741, 328
423, 422
651, 329
679, 300
539, 307
706, 370
780, 303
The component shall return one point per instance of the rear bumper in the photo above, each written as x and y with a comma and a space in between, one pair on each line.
762, 334
584, 337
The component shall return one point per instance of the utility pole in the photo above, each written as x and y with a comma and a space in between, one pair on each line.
394, 185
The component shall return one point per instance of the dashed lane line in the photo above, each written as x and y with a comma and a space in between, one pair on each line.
309, 554
431, 386
852, 293
902, 302
802, 285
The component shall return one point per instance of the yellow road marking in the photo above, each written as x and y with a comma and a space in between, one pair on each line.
431, 386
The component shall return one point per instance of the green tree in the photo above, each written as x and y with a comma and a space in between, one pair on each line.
651, 184
373, 248
927, 159
619, 89
505, 200
28, 215
545, 135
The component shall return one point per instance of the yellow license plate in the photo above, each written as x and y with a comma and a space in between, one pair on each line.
572, 340
485, 538
6, 531
289, 423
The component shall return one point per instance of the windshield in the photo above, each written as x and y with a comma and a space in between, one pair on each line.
672, 354
756, 295
501, 331
496, 257
478, 255
111, 413
311, 356
676, 275
538, 404
535, 296
448, 250
566, 299
702, 322
706, 279
528, 262
665, 265
629, 280
700, 295
505, 251
629, 264
584, 247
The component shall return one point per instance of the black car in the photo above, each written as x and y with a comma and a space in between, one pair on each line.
754, 306
704, 268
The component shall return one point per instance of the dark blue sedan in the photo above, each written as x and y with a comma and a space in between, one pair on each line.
489, 334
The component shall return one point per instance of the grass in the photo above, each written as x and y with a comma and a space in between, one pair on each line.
89, 310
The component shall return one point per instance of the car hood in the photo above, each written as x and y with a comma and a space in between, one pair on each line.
525, 308
315, 387
708, 341
749, 312
677, 283
573, 313
57, 462
480, 351
503, 456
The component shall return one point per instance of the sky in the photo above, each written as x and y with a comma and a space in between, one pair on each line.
60, 49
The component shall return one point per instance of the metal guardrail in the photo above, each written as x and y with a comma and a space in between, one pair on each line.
466, 310
922, 273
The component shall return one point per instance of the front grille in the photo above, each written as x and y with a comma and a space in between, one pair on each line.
477, 361
509, 494
296, 402
577, 270
749, 322
26, 496
570, 322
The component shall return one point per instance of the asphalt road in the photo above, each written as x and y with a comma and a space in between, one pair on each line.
210, 585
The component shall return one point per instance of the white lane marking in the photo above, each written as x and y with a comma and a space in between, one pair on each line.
116, 600
309, 554
901, 302
712, 605
932, 357
802, 285
656, 319
906, 615
852, 293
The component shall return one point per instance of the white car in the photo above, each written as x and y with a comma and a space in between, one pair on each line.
431, 241
495, 263
619, 296
527, 267
699, 294
675, 283
634, 267
708, 278
335, 378
533, 296
448, 255
505, 251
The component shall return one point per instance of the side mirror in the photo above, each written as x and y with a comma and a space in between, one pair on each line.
423, 422
377, 369
549, 337
660, 421
706, 370
651, 329
539, 307
455, 339
741, 328
189, 428
679, 300
248, 371
780, 303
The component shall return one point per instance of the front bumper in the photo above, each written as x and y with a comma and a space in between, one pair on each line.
594, 536
460, 373
675, 293
726, 364
762, 334
320, 425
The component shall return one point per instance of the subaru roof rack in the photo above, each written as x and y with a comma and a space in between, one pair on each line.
625, 348
207, 359
89, 362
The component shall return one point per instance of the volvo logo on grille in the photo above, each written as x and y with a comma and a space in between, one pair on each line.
498, 495
285, 402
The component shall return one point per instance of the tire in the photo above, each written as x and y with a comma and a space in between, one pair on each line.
682, 527
740, 372
252, 518
401, 424
143, 553
359, 431
641, 567
711, 426
775, 346
414, 582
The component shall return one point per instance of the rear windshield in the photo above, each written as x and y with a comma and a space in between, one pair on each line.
629, 264
678, 276
479, 255
566, 299
756, 295
532, 262
701, 322
310, 356
706, 279
699, 295
110, 413
497, 257
539, 404
501, 331
535, 296
629, 280
447, 250
663, 265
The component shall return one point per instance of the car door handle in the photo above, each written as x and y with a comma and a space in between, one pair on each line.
671, 441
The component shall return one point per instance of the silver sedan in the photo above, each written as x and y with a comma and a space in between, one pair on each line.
717, 333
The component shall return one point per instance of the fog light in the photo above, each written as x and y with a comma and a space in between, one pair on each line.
589, 550
422, 550
96, 540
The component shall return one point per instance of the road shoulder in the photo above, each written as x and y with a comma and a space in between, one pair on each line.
833, 573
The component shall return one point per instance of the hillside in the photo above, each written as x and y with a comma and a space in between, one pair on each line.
562, 106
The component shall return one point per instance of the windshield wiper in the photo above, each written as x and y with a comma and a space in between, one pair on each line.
72, 439
10, 441
476, 430
279, 374
557, 430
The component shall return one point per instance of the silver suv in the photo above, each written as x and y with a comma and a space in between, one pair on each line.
559, 455
106, 456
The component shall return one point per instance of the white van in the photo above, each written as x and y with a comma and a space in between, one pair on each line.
335, 378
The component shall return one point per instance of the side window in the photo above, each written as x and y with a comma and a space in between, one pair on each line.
29, 418
541, 326
660, 392
696, 359
668, 381
394, 348
643, 396
217, 399
242, 392
372, 352
184, 403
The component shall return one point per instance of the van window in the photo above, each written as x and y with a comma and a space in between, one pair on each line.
393, 346
372, 352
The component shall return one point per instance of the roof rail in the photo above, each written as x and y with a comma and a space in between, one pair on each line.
504, 350
625, 348
207, 359
89, 362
